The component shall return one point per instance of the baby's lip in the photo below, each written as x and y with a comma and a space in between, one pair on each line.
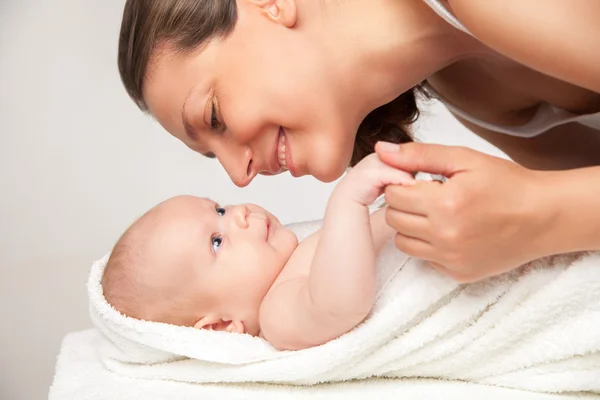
271, 227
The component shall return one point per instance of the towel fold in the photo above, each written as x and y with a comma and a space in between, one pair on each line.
81, 375
536, 328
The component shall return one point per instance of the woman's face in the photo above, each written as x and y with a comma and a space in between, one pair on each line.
248, 96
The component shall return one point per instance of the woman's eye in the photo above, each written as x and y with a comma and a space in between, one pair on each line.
220, 211
216, 242
214, 121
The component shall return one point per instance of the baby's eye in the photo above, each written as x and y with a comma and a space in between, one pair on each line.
220, 211
216, 242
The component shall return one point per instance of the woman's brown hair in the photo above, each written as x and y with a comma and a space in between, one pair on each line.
188, 24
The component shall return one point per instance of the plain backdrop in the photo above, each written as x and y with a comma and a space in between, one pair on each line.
79, 162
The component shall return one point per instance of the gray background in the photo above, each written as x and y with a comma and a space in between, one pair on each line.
79, 162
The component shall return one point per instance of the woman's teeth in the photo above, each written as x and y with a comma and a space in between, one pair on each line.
281, 151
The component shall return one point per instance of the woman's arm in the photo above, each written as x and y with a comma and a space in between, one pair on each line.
573, 197
556, 37
563, 147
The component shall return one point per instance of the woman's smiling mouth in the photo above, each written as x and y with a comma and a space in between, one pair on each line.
284, 157
281, 150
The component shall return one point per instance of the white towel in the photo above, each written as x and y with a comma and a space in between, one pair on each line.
535, 329
80, 375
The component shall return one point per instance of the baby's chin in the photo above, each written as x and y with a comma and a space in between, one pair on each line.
288, 241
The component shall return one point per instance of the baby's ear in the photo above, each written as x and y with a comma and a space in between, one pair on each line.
235, 326
213, 323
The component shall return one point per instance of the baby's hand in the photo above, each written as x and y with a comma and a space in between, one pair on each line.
366, 181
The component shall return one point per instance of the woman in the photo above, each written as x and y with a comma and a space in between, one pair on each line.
272, 85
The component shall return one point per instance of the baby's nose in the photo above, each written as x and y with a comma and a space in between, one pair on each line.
240, 216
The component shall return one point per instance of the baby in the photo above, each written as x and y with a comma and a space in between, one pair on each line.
191, 262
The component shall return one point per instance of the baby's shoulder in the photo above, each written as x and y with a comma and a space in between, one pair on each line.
296, 268
280, 298
300, 262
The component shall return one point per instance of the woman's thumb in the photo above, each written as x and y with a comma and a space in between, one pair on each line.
423, 157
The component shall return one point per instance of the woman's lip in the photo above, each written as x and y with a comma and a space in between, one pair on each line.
275, 167
288, 155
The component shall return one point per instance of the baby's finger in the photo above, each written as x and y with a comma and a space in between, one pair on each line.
393, 176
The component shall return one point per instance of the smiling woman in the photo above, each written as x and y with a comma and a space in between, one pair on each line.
244, 94
310, 86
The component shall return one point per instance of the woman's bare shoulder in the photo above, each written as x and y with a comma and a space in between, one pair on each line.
538, 33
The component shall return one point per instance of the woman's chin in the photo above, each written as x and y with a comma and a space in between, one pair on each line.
330, 172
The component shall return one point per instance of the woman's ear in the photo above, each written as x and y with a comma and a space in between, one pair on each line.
213, 323
283, 12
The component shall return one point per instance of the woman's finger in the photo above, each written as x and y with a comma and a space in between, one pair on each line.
407, 224
425, 157
456, 275
440, 268
413, 247
413, 199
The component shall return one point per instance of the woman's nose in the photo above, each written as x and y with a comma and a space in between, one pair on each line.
240, 216
239, 165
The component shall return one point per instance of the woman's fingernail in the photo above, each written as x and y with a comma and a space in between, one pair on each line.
388, 147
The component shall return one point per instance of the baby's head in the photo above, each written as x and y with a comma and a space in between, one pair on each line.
190, 262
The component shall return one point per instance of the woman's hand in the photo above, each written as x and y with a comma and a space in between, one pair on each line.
489, 217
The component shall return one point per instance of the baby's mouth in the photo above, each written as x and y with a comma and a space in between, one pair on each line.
271, 227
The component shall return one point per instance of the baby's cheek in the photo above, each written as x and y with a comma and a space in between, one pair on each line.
288, 242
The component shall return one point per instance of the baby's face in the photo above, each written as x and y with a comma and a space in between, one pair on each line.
230, 255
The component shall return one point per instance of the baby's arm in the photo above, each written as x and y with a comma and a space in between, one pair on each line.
340, 289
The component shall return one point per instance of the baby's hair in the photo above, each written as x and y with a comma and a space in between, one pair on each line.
130, 283
189, 24
121, 280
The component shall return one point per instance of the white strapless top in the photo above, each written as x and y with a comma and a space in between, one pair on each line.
546, 117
